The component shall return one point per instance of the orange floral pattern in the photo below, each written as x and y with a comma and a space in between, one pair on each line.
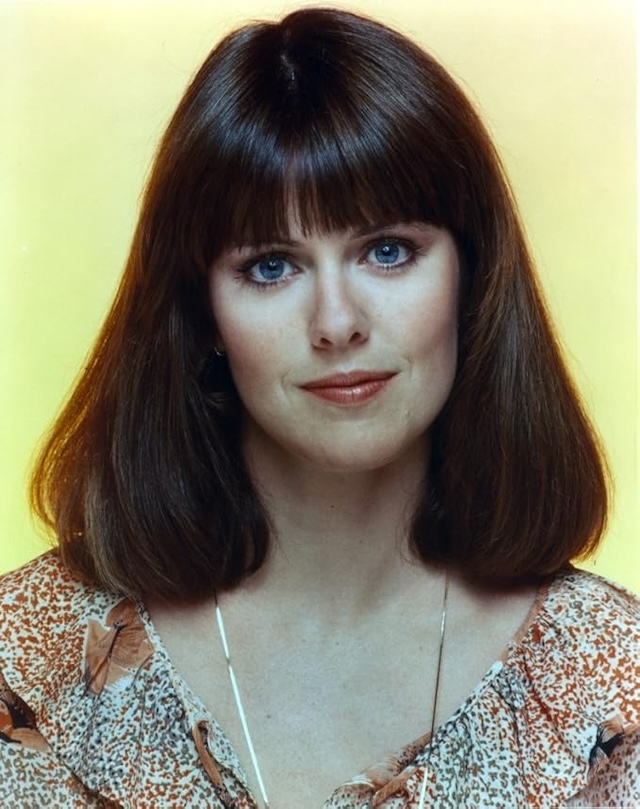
94, 714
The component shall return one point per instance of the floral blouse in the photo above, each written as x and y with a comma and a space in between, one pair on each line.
94, 714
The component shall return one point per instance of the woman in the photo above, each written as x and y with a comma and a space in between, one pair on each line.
325, 432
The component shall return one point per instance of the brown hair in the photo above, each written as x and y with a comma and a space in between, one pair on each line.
141, 477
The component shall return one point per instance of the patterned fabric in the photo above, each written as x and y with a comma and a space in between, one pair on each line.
93, 713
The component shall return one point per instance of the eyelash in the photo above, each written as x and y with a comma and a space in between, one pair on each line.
412, 249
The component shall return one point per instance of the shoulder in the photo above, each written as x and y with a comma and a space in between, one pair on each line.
43, 616
576, 593
91, 709
583, 644
580, 659
45, 581
48, 618
53, 624
590, 620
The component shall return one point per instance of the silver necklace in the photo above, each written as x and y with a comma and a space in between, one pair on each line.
243, 717
239, 707
436, 690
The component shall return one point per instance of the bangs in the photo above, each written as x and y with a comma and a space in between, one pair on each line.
327, 182
305, 136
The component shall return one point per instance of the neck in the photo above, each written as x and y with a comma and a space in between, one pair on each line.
340, 538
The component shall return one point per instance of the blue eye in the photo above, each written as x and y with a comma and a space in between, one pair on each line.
268, 270
389, 253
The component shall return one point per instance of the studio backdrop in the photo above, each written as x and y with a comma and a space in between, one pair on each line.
87, 88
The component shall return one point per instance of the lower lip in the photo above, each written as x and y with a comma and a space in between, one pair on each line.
353, 394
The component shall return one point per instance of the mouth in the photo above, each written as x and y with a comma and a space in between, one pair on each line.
349, 389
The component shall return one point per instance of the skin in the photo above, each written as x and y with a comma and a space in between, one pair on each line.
381, 301
335, 639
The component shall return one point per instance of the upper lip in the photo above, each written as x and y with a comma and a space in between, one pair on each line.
349, 379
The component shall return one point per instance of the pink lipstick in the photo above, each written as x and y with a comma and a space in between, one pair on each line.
354, 388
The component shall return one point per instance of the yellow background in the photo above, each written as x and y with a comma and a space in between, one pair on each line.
86, 88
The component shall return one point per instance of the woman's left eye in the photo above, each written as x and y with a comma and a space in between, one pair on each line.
390, 253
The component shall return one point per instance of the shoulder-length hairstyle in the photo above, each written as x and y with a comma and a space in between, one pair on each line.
141, 478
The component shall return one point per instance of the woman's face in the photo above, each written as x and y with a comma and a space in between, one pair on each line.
342, 345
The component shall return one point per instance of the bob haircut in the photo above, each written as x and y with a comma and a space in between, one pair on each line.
141, 477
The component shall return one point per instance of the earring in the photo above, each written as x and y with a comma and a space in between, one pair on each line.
219, 352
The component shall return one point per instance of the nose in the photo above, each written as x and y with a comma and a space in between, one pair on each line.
338, 320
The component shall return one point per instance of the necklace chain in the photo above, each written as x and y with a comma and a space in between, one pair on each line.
240, 708
243, 717
436, 689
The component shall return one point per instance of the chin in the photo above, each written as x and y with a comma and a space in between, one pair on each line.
348, 459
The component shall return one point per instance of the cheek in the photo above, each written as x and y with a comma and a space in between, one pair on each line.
247, 351
433, 326
253, 343
235, 328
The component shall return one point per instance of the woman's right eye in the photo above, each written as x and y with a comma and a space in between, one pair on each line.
268, 270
